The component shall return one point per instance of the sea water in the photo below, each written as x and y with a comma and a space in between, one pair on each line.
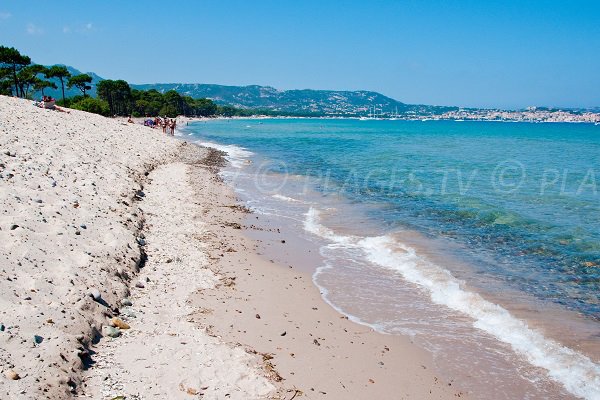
480, 240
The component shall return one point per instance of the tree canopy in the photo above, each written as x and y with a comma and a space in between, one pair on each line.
13, 61
61, 72
81, 82
19, 77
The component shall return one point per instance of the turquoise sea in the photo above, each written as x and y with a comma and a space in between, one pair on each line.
478, 236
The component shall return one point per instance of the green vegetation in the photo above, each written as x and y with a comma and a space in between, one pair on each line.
60, 72
19, 77
91, 104
81, 82
12, 63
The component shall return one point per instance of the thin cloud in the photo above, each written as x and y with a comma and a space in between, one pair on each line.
33, 29
5, 15
86, 28
79, 28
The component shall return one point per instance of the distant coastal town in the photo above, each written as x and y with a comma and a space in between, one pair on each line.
531, 114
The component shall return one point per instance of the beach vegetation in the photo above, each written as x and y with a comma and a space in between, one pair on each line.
81, 82
13, 62
91, 104
28, 79
19, 77
61, 73
117, 95
40, 84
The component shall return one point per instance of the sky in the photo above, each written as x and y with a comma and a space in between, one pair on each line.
486, 53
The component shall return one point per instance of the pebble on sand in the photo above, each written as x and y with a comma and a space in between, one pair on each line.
111, 331
94, 293
119, 323
12, 375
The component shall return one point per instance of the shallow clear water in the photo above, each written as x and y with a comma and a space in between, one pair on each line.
445, 219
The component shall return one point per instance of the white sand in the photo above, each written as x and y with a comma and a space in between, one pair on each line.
209, 317
70, 224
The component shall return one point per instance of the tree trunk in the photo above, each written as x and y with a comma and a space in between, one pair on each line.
62, 85
16, 80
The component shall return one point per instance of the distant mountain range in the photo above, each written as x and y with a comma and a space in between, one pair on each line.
296, 102
306, 101
57, 93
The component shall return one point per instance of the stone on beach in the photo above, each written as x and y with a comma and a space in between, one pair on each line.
95, 294
116, 322
111, 331
12, 375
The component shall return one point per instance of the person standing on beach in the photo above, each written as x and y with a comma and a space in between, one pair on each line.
164, 124
172, 126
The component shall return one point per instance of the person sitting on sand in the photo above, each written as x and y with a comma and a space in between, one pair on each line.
130, 120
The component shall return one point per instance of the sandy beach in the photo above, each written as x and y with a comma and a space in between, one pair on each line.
128, 272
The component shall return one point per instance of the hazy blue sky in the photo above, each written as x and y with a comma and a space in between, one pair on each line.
466, 53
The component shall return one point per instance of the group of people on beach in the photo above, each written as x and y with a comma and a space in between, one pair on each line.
168, 124
48, 102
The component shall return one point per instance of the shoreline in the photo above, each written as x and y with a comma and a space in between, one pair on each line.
117, 227
183, 119
545, 375
117, 242
302, 346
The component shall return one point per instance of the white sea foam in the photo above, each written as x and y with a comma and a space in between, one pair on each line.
237, 156
285, 198
576, 372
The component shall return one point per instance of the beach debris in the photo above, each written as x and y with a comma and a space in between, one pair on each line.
141, 241
128, 313
12, 375
2, 327
316, 342
117, 322
284, 333
257, 316
126, 302
228, 281
140, 284
111, 331
95, 294
13, 227
271, 372
37, 339
118, 398
371, 380
191, 391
